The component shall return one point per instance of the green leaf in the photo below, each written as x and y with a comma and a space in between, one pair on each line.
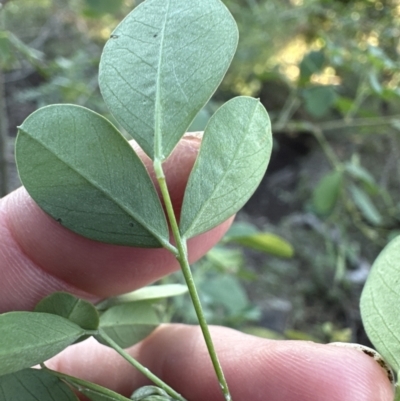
226, 290
161, 66
77, 310
268, 243
397, 394
319, 100
262, 332
34, 385
226, 259
150, 393
240, 229
364, 203
98, 396
327, 191
311, 63
360, 173
151, 292
127, 324
80, 170
97, 8
7, 56
233, 157
29, 338
374, 82
380, 306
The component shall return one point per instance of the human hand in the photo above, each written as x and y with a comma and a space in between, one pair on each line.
38, 256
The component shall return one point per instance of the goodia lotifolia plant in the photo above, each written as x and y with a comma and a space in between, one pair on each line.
159, 68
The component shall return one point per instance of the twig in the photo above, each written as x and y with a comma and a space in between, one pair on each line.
3, 139
298, 126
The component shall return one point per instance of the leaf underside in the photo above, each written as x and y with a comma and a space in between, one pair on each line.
234, 155
162, 64
29, 338
77, 310
34, 385
380, 307
82, 172
127, 324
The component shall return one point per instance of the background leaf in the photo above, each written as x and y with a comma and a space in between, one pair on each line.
268, 243
127, 324
240, 229
358, 172
150, 393
29, 338
327, 191
81, 171
151, 292
364, 203
162, 64
233, 157
77, 310
319, 100
312, 63
226, 291
380, 306
97, 8
34, 385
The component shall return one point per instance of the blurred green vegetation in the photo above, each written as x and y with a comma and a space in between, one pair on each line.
328, 72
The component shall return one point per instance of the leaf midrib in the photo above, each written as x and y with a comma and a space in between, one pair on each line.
157, 107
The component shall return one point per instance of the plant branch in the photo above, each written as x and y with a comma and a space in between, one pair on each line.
3, 139
146, 372
183, 261
296, 126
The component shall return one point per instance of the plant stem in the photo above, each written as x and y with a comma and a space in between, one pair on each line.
3, 139
146, 372
184, 262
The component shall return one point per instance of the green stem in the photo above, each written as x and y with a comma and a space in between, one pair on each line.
3, 139
146, 372
183, 261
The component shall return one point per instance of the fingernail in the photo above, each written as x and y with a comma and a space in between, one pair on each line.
374, 355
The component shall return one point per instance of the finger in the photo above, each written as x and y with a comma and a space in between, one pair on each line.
256, 369
39, 256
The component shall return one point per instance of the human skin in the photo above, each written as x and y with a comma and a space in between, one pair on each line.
38, 256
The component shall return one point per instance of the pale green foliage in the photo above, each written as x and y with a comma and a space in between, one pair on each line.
77, 310
129, 323
150, 393
151, 292
380, 308
327, 192
34, 385
81, 171
162, 64
233, 158
99, 396
43, 336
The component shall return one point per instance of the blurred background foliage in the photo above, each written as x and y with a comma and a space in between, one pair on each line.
328, 72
